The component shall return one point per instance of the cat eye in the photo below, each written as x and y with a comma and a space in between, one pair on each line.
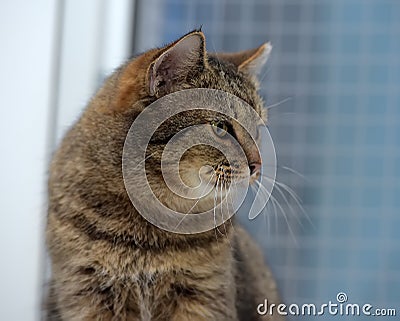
220, 128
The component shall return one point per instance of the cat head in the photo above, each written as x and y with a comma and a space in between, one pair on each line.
185, 64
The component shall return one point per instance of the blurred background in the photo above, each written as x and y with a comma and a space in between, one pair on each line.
333, 84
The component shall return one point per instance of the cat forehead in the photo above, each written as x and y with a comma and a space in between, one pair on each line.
230, 79
227, 68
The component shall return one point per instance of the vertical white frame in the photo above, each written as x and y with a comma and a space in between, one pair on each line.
54, 55
28, 36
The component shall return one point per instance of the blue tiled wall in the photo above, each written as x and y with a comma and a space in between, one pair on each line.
339, 62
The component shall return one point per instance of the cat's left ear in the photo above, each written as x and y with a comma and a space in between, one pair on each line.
184, 56
249, 61
254, 63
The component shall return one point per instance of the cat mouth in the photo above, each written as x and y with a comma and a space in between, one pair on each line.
227, 176
223, 180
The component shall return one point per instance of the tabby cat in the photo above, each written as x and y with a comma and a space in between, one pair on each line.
107, 261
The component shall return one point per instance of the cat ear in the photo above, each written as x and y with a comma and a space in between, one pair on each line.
182, 57
257, 60
249, 61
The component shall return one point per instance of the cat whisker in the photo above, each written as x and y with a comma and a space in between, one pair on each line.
279, 189
232, 203
287, 169
276, 217
286, 219
266, 221
295, 172
263, 210
273, 199
286, 188
227, 207
198, 200
221, 203
215, 205
267, 70
280, 115
278, 103
270, 206
215, 222
289, 190
264, 193
275, 211
204, 189
294, 196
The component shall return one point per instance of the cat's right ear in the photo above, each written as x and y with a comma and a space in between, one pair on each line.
181, 58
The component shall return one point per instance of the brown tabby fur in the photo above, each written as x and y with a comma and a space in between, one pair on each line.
109, 263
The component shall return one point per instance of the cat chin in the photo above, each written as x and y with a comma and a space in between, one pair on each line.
196, 205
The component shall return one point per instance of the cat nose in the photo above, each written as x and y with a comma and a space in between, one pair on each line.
255, 168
